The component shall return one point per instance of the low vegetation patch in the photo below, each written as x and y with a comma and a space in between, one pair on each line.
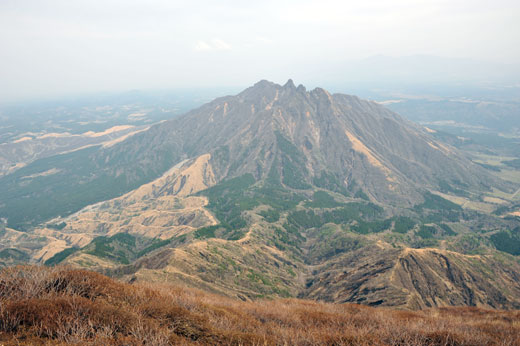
61, 256
403, 224
121, 248
426, 232
507, 241
305, 219
329, 181
437, 209
322, 199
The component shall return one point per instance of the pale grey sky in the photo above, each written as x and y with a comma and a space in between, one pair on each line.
52, 47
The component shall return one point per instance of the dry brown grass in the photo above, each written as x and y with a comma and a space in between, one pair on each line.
53, 306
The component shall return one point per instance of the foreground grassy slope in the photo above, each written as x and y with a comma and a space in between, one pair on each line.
54, 306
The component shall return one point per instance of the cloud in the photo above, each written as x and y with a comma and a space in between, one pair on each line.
220, 45
215, 44
264, 40
202, 46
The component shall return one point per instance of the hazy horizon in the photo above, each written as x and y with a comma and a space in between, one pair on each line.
60, 48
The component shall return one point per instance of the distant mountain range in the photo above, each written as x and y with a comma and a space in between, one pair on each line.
276, 191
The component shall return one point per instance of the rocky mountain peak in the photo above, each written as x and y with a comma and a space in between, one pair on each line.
263, 84
301, 89
289, 85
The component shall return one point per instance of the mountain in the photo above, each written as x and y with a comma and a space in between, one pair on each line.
306, 138
276, 191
